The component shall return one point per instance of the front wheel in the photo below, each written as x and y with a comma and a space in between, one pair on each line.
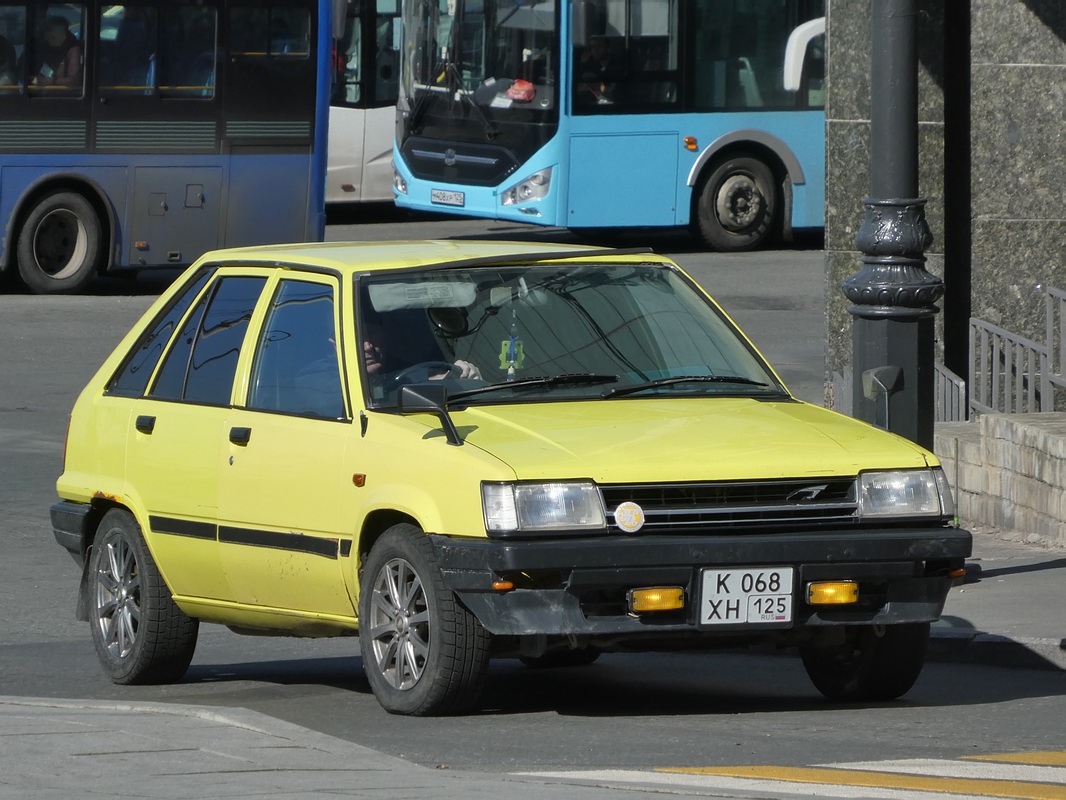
423, 652
140, 635
876, 662
737, 205
59, 244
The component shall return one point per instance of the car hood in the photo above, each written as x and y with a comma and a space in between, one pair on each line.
681, 439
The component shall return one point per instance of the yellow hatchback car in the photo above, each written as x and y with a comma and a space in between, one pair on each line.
467, 450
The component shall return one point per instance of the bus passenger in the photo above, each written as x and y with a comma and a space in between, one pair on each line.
594, 66
60, 56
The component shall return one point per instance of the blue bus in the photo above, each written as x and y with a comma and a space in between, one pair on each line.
599, 114
141, 134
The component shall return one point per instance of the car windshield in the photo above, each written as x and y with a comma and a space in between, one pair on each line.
521, 334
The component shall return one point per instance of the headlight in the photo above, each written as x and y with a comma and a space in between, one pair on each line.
905, 493
514, 508
534, 187
399, 183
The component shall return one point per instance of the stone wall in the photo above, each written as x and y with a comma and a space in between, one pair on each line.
1008, 171
1009, 474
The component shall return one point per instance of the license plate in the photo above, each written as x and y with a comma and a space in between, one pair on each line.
447, 198
759, 596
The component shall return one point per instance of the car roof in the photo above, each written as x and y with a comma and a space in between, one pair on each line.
353, 257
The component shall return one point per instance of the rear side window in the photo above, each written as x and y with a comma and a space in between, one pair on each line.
132, 379
201, 365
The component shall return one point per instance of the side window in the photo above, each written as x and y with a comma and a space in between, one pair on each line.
297, 370
387, 52
58, 56
625, 55
200, 366
188, 54
348, 58
132, 378
12, 49
273, 32
127, 53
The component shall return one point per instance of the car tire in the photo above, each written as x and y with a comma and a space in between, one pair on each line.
140, 634
877, 662
59, 244
423, 653
561, 659
737, 205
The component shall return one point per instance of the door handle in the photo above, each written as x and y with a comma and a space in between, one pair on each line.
145, 424
240, 435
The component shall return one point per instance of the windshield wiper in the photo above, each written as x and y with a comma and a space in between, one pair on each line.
621, 391
536, 383
491, 131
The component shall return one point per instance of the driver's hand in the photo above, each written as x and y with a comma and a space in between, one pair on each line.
468, 370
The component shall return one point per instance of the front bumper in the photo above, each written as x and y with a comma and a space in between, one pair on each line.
578, 587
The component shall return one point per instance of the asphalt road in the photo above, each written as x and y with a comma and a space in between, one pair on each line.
648, 710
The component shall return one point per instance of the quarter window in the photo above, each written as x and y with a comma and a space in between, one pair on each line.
132, 379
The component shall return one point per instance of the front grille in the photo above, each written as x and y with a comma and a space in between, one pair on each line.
458, 162
705, 507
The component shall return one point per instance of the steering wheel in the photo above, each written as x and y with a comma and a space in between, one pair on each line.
416, 373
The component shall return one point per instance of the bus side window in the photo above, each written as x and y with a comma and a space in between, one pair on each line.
59, 57
189, 63
12, 49
127, 50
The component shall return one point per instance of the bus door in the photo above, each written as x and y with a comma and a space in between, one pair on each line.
155, 77
625, 145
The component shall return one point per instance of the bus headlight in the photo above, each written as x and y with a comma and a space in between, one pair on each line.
533, 187
399, 183
558, 507
905, 493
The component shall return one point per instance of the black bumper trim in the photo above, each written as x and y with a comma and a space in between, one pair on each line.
890, 562
70, 525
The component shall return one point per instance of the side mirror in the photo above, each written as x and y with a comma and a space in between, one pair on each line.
428, 398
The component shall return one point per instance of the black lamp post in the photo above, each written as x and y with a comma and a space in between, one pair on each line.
893, 296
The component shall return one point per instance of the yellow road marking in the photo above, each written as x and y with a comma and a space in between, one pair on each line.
883, 780
1051, 758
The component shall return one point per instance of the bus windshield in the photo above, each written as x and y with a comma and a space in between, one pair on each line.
494, 56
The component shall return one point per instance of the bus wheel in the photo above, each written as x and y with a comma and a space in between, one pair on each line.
59, 244
737, 205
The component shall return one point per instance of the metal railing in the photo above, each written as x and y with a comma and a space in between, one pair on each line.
1009, 373
950, 395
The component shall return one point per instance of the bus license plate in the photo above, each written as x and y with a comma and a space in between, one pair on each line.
447, 198
746, 596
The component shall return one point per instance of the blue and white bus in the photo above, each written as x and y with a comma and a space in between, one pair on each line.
141, 134
596, 114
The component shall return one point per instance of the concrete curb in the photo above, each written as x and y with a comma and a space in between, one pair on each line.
970, 646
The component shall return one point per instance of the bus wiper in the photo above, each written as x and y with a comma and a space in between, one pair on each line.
536, 383
491, 131
621, 391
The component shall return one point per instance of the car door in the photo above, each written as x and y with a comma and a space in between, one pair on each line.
285, 505
176, 445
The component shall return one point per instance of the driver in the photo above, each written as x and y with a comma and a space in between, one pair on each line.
375, 354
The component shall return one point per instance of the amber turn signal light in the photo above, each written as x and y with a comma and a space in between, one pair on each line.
656, 598
832, 593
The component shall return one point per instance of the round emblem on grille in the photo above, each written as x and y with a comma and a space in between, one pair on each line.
629, 517
449, 157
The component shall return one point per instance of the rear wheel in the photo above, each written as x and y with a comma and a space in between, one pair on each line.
737, 205
59, 244
876, 662
140, 635
423, 652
